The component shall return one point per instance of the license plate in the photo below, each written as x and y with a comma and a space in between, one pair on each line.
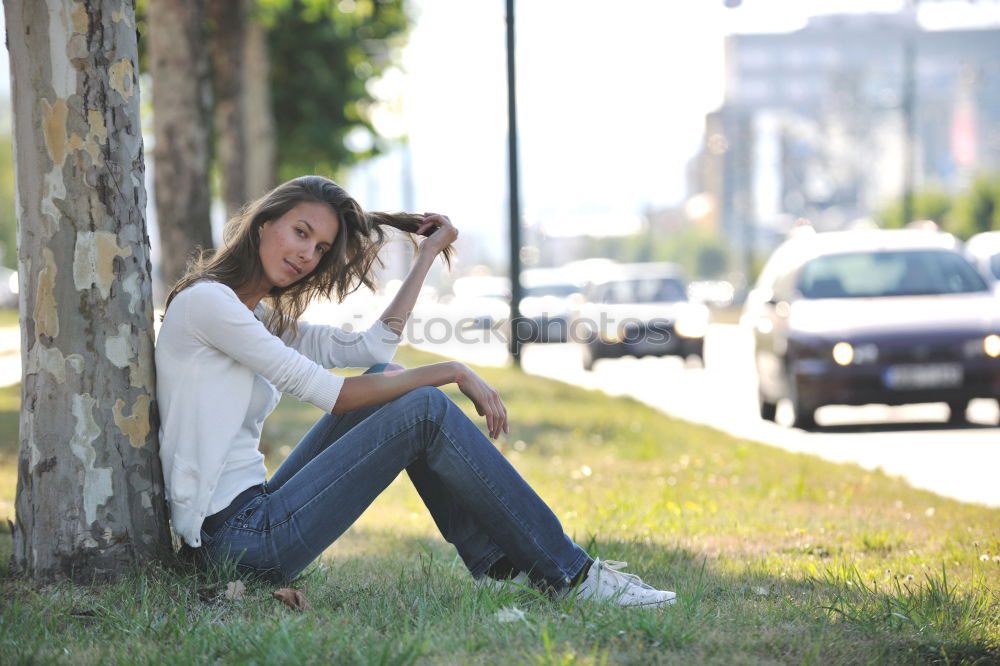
930, 375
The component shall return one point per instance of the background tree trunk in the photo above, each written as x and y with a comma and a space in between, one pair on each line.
260, 167
228, 19
179, 65
89, 490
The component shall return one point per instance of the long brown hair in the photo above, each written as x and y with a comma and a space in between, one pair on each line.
343, 269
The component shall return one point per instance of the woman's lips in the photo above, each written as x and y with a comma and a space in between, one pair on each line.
293, 268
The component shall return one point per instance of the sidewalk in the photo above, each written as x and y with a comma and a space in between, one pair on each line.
10, 355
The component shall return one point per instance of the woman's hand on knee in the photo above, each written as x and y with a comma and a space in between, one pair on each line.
486, 399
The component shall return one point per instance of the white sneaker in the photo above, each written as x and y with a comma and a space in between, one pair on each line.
515, 584
604, 582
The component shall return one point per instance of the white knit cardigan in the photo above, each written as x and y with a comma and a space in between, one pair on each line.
207, 352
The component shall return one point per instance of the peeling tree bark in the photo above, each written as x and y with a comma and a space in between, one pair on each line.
89, 491
179, 65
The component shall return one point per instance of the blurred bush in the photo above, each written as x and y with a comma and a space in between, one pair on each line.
964, 214
700, 252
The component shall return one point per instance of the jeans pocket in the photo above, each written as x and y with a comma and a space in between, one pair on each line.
252, 516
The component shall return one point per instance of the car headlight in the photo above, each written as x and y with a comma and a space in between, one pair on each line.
612, 332
691, 326
843, 353
989, 345
692, 323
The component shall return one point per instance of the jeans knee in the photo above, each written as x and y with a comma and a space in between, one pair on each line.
433, 397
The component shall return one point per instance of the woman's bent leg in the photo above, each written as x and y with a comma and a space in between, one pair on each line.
456, 524
323, 498
327, 430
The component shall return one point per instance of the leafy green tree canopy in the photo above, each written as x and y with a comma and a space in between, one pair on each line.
323, 54
930, 204
964, 214
978, 209
701, 253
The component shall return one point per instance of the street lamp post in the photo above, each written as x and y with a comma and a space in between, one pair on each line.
514, 345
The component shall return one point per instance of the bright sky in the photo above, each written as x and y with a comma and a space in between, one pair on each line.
612, 98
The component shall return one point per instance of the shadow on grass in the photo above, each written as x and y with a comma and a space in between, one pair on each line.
410, 599
832, 616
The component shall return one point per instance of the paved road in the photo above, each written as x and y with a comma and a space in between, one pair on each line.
912, 441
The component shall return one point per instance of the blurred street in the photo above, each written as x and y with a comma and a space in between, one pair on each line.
912, 441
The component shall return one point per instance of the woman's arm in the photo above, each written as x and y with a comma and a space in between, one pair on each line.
366, 390
399, 309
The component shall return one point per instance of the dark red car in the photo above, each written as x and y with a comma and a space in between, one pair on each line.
881, 316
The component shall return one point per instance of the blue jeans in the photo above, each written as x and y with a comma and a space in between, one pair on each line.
479, 502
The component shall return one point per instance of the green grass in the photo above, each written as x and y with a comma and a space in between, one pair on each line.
776, 558
8, 318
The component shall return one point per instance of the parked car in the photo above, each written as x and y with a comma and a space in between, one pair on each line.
983, 250
887, 317
480, 301
549, 297
639, 310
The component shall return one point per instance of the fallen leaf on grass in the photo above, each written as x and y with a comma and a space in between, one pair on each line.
292, 598
510, 614
234, 590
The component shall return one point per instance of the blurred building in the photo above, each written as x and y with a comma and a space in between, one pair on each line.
815, 122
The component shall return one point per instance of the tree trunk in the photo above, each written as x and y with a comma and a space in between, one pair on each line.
89, 489
228, 18
178, 56
260, 165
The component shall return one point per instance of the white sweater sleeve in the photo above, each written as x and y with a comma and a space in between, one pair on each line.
334, 347
216, 316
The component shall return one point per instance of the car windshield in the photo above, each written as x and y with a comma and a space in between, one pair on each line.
888, 273
995, 265
644, 290
561, 290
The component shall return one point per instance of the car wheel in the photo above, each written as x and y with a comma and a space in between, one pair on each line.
694, 361
956, 411
768, 410
803, 413
803, 416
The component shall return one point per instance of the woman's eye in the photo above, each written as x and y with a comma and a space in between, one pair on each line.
321, 249
300, 232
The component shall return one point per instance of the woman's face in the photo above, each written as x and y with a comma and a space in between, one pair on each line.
292, 245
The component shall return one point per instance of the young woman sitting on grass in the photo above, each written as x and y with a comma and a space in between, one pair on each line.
230, 343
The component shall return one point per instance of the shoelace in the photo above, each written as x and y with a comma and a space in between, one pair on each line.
614, 568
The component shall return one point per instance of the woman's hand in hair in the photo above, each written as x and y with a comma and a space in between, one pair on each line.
486, 399
440, 233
